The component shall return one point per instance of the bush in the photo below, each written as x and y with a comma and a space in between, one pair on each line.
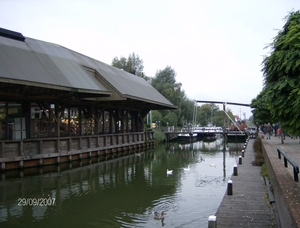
257, 145
159, 136
264, 170
259, 156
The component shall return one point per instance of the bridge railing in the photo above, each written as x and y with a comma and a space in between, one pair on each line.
287, 159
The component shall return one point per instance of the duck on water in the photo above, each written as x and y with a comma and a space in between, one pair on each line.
158, 215
169, 171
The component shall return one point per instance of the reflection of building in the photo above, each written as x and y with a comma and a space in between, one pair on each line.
55, 102
70, 184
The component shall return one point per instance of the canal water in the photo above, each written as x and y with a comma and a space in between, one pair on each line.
123, 191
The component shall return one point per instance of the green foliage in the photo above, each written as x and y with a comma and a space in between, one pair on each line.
165, 83
158, 136
264, 170
133, 64
187, 110
282, 77
211, 113
165, 76
156, 116
261, 108
171, 119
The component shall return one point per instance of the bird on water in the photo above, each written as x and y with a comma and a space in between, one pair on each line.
187, 169
158, 215
169, 171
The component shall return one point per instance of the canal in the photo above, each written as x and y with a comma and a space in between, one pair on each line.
123, 191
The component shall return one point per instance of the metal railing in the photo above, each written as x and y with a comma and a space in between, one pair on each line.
287, 159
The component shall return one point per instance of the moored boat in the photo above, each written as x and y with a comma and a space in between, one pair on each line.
186, 135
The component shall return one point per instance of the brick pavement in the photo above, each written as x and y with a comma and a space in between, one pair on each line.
291, 147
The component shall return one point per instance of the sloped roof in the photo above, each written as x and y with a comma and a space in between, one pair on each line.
52, 66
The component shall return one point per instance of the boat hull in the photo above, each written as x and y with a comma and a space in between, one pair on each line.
187, 137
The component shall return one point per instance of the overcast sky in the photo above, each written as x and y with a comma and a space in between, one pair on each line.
215, 46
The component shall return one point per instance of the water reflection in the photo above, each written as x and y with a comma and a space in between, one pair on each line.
125, 191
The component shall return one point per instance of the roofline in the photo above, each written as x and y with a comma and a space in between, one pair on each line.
149, 101
50, 86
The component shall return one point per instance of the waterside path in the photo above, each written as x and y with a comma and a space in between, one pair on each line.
249, 204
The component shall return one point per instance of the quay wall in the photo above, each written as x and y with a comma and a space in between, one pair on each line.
18, 154
286, 191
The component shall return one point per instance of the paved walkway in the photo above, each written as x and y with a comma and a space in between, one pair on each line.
291, 147
249, 205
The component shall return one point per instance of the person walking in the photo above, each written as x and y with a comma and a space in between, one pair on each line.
278, 132
268, 129
276, 126
257, 127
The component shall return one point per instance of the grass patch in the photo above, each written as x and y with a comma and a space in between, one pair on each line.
264, 170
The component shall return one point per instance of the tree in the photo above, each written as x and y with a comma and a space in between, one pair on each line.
133, 64
281, 71
165, 83
166, 76
261, 109
210, 113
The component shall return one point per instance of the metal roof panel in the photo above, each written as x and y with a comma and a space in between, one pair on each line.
52, 64
23, 63
127, 84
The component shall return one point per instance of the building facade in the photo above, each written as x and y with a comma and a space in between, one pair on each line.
60, 105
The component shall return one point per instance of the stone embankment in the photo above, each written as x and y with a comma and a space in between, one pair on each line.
286, 190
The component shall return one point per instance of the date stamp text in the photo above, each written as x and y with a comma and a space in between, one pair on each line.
42, 202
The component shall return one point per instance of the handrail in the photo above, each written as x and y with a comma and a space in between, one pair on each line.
288, 159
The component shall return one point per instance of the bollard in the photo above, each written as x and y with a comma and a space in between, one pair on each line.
212, 221
235, 171
244, 148
240, 160
229, 187
243, 153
